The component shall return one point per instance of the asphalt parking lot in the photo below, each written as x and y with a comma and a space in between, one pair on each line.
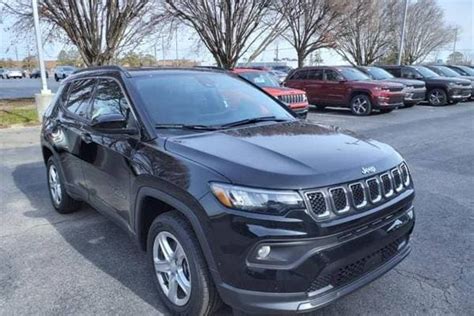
52, 264
23, 88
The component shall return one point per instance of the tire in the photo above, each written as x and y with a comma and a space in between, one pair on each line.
190, 268
62, 202
386, 110
361, 105
437, 97
56, 78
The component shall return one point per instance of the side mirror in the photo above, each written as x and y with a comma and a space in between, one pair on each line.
112, 124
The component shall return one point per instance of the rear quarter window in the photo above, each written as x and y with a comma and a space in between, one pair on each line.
79, 97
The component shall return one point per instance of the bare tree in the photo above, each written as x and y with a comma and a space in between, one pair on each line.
426, 31
228, 28
312, 24
367, 31
99, 29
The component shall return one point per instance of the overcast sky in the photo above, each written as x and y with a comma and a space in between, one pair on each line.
457, 12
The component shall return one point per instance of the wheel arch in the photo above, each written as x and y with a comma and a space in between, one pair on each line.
152, 202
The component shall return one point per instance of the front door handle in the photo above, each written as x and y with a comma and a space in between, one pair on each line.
86, 137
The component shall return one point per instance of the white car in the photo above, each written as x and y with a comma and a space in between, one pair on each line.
62, 72
13, 73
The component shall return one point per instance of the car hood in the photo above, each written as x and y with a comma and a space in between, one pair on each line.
277, 91
447, 80
375, 83
291, 155
408, 82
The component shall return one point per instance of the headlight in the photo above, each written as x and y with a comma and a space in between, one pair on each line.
257, 200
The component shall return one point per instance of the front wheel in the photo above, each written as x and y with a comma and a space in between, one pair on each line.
56, 78
181, 275
361, 105
437, 97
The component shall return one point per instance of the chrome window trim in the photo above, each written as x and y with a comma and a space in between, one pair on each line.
400, 187
379, 187
327, 213
348, 206
364, 202
391, 192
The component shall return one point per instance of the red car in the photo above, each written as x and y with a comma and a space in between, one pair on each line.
346, 87
295, 99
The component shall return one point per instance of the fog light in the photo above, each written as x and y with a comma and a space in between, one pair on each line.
410, 213
263, 252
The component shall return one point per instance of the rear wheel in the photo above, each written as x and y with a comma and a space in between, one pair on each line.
437, 97
62, 202
361, 105
56, 77
181, 274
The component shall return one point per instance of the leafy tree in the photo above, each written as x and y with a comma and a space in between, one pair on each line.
455, 58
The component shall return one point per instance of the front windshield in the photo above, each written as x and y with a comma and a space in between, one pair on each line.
468, 71
425, 72
379, 73
261, 79
204, 98
447, 72
352, 74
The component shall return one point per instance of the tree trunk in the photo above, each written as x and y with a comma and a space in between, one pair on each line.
301, 57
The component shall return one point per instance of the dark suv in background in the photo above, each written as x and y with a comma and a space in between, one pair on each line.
439, 90
231, 195
415, 90
450, 72
346, 87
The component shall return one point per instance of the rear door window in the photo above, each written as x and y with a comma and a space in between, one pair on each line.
80, 93
332, 75
315, 74
300, 75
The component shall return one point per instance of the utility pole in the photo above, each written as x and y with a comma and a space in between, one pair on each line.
176, 48
402, 36
44, 98
276, 53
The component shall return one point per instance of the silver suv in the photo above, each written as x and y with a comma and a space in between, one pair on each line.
62, 72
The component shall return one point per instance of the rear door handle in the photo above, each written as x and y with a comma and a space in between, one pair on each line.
86, 137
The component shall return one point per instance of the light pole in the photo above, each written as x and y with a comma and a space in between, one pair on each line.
402, 36
44, 98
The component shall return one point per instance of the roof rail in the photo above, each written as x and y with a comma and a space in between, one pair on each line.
107, 67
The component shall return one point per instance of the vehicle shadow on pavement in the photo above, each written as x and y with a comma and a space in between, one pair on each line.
95, 237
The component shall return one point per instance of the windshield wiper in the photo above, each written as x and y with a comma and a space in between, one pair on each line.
252, 120
186, 126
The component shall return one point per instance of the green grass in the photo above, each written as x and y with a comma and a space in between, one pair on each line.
11, 116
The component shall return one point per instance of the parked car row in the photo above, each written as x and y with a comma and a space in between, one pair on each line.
60, 72
382, 88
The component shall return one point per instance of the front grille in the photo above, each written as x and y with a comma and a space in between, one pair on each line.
317, 203
386, 184
292, 98
358, 194
339, 199
397, 179
405, 174
395, 89
356, 269
374, 190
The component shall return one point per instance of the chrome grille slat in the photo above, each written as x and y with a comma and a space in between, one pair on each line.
397, 179
387, 185
375, 192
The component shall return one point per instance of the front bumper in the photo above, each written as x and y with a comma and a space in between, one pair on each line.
415, 96
315, 255
390, 100
457, 94
283, 303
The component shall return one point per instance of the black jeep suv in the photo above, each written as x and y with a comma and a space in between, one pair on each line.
233, 197
439, 90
